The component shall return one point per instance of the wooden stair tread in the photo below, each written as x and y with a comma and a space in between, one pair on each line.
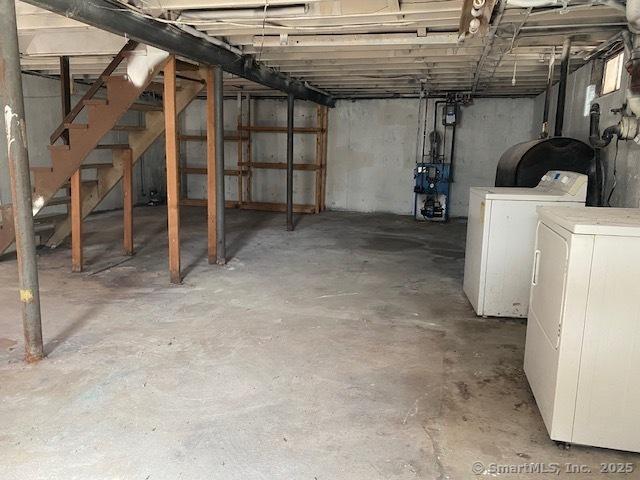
84, 182
58, 201
115, 77
128, 128
115, 146
146, 107
182, 66
158, 88
96, 101
50, 218
86, 166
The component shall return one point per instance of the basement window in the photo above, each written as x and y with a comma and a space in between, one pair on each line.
612, 76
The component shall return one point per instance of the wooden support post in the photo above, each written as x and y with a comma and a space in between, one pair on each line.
325, 136
240, 146
221, 250
127, 200
318, 162
250, 119
173, 184
290, 105
211, 169
76, 179
76, 222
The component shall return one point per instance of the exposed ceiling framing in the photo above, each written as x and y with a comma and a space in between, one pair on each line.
351, 48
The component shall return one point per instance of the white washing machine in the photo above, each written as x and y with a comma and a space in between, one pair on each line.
582, 353
500, 237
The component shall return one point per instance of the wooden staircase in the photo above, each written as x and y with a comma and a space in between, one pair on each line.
50, 184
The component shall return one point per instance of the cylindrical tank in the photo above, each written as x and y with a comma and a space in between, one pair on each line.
524, 164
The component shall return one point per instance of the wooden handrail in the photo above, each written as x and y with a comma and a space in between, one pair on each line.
97, 85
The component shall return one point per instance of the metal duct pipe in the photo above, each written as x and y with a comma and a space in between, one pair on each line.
290, 104
18, 156
108, 15
562, 87
240, 13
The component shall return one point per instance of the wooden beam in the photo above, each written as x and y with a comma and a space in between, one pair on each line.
127, 200
318, 160
239, 147
76, 221
280, 166
260, 128
173, 188
325, 137
212, 234
250, 121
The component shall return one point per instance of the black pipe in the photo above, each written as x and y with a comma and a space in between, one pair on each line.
562, 87
453, 147
290, 103
113, 17
65, 92
594, 129
547, 99
18, 159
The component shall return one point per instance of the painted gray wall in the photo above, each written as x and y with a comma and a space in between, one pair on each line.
576, 125
43, 115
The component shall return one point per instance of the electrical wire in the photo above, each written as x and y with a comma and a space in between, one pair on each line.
615, 171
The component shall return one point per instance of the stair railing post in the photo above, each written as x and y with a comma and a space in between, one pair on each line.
15, 129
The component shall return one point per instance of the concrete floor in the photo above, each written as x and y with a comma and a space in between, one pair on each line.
344, 350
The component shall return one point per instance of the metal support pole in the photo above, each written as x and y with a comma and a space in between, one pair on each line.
219, 114
562, 87
290, 102
15, 128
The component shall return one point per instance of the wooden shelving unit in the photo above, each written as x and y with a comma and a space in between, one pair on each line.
245, 166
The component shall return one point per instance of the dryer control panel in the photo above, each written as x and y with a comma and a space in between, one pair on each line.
570, 183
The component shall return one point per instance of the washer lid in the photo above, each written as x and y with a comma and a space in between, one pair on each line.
594, 220
525, 194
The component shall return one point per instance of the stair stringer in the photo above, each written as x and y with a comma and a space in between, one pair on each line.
139, 143
65, 161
